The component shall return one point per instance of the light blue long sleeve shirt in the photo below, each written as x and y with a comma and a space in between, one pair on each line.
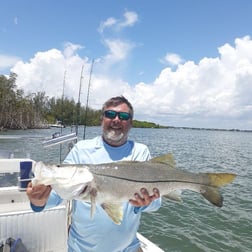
101, 234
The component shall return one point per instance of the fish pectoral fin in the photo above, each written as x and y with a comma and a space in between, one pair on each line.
174, 196
93, 194
212, 195
93, 207
114, 211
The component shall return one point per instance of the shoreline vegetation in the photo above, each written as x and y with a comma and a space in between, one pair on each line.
38, 111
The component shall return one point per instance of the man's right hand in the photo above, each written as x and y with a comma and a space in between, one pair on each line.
39, 194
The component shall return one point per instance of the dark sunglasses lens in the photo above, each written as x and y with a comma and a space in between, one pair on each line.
124, 115
110, 114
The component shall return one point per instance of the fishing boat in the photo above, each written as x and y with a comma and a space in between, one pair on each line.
44, 231
58, 124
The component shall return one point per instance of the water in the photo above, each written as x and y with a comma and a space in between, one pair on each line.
194, 225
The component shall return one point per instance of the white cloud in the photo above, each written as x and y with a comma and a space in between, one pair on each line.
172, 59
45, 72
106, 24
215, 92
118, 50
70, 49
130, 18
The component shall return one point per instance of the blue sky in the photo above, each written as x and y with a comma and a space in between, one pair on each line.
181, 63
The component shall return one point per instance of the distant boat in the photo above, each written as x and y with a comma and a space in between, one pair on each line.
58, 124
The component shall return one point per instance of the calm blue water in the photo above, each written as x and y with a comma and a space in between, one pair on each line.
193, 225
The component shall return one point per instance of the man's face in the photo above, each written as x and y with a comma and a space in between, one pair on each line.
115, 130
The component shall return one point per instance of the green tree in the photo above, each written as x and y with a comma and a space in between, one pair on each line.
36, 110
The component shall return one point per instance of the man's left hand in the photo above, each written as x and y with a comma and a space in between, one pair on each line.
145, 198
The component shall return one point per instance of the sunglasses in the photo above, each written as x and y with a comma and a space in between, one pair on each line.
111, 114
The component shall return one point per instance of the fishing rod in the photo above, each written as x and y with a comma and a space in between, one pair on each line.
78, 103
59, 138
87, 101
62, 101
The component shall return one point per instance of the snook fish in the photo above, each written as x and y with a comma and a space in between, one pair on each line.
114, 183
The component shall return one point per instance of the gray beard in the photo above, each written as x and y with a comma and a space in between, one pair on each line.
111, 135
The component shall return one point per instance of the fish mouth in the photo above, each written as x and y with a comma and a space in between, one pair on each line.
84, 190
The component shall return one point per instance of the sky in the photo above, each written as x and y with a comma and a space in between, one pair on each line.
183, 63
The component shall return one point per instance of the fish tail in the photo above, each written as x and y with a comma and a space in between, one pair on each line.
211, 192
220, 179
212, 195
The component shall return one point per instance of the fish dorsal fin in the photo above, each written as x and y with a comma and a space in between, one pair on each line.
165, 159
114, 211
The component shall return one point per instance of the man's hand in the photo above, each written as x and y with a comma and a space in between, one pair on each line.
39, 194
145, 199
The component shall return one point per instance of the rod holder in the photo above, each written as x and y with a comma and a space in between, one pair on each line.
59, 139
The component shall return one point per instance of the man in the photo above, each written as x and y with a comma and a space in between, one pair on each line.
100, 234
